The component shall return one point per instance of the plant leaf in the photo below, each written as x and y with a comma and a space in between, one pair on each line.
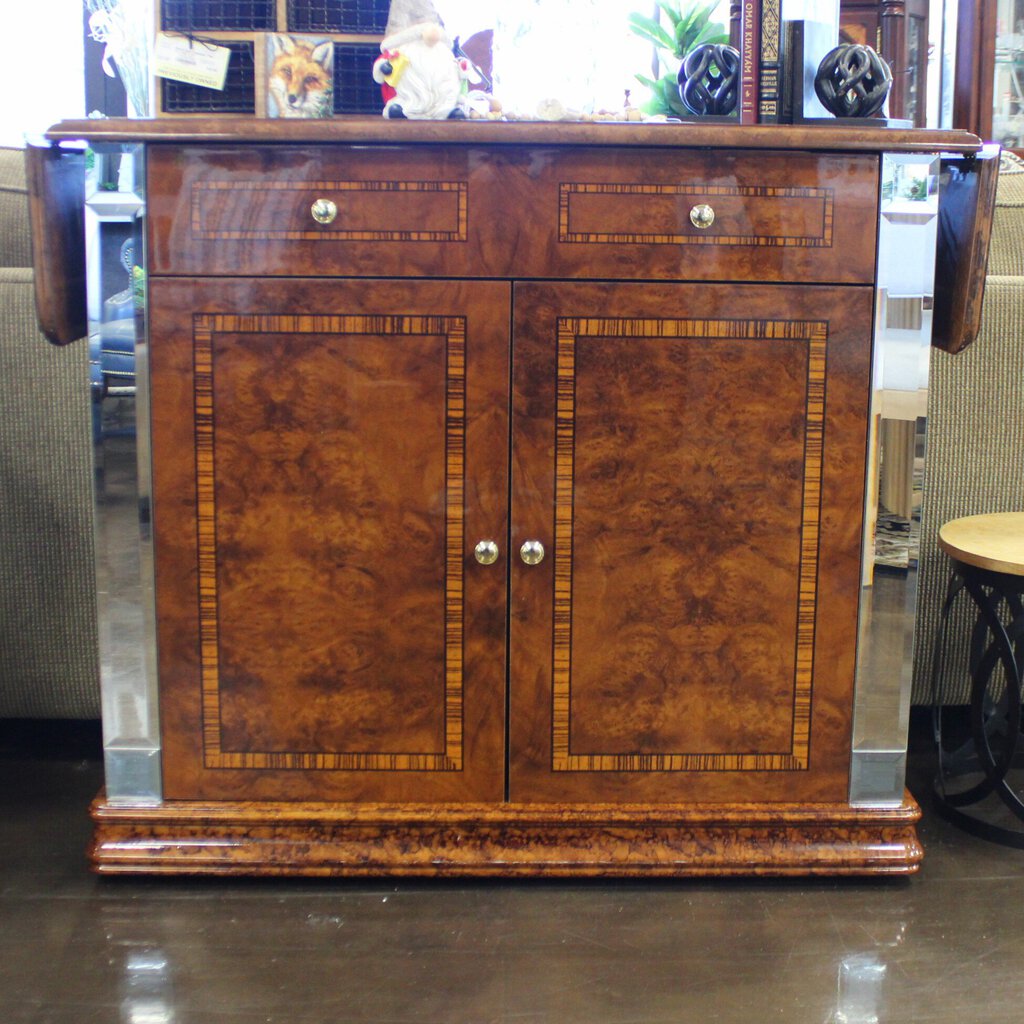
713, 33
668, 88
649, 29
664, 97
654, 104
672, 12
688, 34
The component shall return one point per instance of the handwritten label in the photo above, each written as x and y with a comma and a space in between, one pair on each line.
190, 60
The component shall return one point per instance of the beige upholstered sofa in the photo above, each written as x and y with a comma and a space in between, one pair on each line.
975, 424
48, 663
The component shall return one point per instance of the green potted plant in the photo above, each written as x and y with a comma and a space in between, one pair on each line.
688, 25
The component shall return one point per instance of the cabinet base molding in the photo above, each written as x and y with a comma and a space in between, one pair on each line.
185, 837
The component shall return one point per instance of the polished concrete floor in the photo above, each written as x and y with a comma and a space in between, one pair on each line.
947, 945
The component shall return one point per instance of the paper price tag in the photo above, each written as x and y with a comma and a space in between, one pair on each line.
190, 60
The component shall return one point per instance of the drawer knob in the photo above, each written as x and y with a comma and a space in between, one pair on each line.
324, 211
702, 216
486, 552
532, 552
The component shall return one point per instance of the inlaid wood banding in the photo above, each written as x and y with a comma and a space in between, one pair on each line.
572, 333
369, 211
217, 753
650, 214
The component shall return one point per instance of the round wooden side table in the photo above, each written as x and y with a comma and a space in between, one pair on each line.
974, 784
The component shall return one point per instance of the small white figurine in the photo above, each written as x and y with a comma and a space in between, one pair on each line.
417, 70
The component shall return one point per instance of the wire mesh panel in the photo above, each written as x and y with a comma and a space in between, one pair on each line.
213, 15
355, 91
338, 15
237, 97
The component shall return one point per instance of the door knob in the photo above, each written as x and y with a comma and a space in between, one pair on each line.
324, 211
532, 552
702, 216
486, 552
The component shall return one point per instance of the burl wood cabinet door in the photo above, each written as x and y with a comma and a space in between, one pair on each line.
691, 458
326, 456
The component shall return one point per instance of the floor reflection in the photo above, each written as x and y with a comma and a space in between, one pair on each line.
74, 948
859, 998
148, 998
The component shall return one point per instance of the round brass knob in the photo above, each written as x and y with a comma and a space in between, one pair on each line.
532, 552
702, 216
324, 211
486, 552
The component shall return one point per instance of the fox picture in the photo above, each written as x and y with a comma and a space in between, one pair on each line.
300, 76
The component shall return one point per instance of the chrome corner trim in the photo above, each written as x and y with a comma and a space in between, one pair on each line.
119, 383
901, 350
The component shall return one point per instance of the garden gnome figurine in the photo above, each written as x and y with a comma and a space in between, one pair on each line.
417, 69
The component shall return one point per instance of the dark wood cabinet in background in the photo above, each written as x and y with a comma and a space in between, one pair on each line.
898, 30
988, 92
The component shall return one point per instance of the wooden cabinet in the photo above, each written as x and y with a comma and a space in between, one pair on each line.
634, 365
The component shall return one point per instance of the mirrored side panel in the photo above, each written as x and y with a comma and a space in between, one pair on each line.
119, 382
904, 302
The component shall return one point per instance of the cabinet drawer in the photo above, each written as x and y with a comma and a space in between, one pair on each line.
459, 211
399, 212
701, 215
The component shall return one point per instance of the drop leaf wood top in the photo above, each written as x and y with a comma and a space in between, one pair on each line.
966, 207
378, 131
962, 264
56, 186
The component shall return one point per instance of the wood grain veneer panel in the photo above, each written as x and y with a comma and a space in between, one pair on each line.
745, 215
313, 488
626, 214
296, 521
369, 211
241, 211
706, 475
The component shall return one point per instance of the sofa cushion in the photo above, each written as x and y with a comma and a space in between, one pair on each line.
975, 431
15, 239
1006, 253
975, 440
48, 660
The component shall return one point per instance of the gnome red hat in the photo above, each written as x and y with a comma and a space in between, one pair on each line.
407, 20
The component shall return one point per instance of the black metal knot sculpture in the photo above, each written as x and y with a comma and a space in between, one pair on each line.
852, 81
709, 80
